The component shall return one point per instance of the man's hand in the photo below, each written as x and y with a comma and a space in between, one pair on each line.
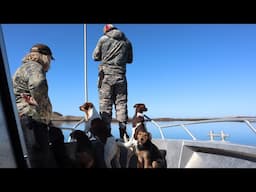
30, 100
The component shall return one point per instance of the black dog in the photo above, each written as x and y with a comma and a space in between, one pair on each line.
111, 149
58, 148
84, 150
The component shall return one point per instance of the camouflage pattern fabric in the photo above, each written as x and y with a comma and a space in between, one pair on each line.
114, 51
29, 81
113, 91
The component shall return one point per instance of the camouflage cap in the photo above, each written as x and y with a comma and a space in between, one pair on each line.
43, 49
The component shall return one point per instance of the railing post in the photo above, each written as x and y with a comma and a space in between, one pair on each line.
186, 129
250, 125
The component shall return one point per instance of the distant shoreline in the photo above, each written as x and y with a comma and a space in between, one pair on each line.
78, 118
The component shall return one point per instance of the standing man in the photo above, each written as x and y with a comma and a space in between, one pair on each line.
33, 104
114, 51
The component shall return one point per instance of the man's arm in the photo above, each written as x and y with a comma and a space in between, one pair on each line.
130, 53
38, 85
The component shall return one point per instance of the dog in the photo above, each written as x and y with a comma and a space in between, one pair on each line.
90, 113
111, 147
138, 116
58, 148
97, 130
137, 120
149, 156
84, 150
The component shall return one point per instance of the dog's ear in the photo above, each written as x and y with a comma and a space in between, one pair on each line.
134, 106
149, 136
136, 134
91, 105
86, 106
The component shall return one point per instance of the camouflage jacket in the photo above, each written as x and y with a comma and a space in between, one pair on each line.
30, 80
114, 51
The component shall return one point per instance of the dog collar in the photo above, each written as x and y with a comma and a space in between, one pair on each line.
140, 114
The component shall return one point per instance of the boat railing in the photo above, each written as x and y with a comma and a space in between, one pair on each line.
71, 129
247, 120
184, 125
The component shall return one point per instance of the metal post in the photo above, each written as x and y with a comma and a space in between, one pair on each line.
85, 69
186, 129
85, 66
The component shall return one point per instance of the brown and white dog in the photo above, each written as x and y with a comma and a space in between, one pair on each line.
148, 154
138, 117
96, 126
137, 120
90, 113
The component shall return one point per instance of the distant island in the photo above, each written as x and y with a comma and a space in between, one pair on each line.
59, 117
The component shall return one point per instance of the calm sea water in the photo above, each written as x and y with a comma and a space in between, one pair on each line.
238, 132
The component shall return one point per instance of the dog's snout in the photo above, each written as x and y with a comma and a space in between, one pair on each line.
73, 140
143, 108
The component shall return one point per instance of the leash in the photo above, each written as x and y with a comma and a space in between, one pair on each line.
156, 124
78, 123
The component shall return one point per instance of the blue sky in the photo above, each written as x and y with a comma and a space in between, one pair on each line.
179, 70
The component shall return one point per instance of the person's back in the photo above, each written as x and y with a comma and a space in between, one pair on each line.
114, 51
30, 81
33, 104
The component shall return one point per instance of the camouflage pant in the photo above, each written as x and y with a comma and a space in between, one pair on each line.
113, 91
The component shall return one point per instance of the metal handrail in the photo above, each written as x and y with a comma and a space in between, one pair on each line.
229, 119
246, 120
67, 128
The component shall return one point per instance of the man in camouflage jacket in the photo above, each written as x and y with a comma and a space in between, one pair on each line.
114, 51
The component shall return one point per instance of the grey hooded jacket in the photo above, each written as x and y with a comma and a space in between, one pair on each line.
114, 51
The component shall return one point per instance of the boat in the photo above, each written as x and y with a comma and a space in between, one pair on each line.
195, 153
216, 152
178, 153
12, 146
